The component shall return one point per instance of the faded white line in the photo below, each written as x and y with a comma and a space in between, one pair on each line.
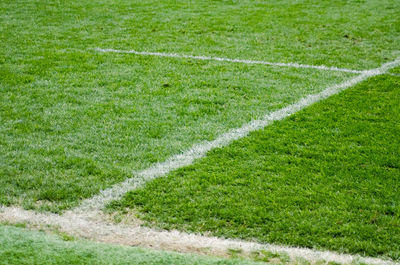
393, 74
211, 58
200, 150
78, 225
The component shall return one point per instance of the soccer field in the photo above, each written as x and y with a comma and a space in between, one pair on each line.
226, 119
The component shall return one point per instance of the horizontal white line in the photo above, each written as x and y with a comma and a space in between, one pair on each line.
211, 58
200, 150
97, 229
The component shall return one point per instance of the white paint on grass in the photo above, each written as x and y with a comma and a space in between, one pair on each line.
212, 58
87, 221
200, 150
81, 226
394, 74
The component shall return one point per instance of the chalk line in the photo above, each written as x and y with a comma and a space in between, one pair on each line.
212, 58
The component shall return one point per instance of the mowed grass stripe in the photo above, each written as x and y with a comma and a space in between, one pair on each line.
327, 177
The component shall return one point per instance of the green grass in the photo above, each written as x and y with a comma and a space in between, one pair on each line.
356, 33
395, 71
73, 121
327, 177
66, 138
21, 246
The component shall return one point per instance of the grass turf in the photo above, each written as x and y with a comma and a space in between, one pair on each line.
355, 33
68, 137
73, 121
21, 246
327, 177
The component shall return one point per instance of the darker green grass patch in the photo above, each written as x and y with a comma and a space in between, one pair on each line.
327, 177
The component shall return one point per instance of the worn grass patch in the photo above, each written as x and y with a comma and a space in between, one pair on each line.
21, 246
327, 177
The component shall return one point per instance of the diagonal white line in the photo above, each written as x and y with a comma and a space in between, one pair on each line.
200, 150
211, 58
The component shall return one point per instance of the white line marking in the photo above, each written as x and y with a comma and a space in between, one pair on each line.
393, 74
168, 240
200, 150
211, 58
86, 220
